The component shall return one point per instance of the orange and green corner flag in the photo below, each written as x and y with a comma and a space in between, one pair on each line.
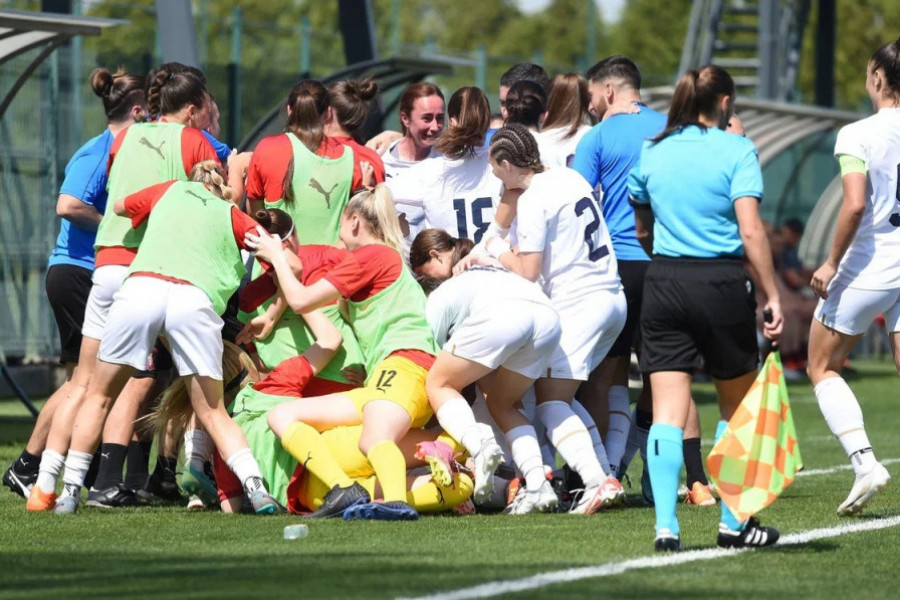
757, 457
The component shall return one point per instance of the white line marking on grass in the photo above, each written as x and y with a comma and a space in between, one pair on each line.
497, 588
830, 470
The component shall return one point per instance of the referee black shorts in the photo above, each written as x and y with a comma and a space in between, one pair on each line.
632, 273
68, 288
699, 309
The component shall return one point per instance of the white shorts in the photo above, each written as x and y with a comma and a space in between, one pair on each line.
106, 282
515, 335
590, 325
146, 307
851, 311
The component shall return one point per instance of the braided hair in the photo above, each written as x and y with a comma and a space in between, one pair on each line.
515, 144
172, 87
211, 173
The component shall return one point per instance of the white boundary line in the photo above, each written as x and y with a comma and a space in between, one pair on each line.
830, 470
496, 588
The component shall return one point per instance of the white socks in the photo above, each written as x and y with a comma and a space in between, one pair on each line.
51, 465
457, 419
599, 449
571, 439
845, 419
77, 465
526, 454
245, 467
619, 425
197, 448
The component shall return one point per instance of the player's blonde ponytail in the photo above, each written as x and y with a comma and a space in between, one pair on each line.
211, 173
174, 406
376, 207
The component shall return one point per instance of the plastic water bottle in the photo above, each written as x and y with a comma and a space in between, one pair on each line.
296, 531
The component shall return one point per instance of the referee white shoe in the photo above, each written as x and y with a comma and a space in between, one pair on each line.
864, 489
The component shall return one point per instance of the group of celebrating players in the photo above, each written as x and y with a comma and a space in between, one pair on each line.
442, 319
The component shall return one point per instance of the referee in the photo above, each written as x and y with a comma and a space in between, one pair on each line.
696, 193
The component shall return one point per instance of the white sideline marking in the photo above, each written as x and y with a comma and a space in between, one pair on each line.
496, 588
830, 470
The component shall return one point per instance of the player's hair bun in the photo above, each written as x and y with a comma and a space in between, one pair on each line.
275, 221
101, 82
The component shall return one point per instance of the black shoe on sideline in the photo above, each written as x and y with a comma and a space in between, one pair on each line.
339, 499
117, 496
18, 483
666, 541
160, 491
753, 535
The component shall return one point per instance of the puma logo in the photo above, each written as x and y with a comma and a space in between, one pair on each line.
197, 196
318, 187
158, 149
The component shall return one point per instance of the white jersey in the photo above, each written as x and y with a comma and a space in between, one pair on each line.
479, 289
558, 215
394, 166
558, 149
871, 262
458, 196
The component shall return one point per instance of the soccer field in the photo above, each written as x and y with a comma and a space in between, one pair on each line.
169, 552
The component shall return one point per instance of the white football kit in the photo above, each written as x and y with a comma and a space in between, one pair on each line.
458, 196
393, 167
558, 216
559, 150
867, 282
495, 318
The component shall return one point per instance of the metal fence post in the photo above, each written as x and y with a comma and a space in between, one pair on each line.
305, 46
234, 78
481, 66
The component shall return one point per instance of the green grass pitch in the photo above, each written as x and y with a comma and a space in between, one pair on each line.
169, 552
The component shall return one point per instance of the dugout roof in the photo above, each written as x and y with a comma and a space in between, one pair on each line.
21, 31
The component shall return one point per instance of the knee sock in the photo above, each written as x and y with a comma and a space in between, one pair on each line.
50, 468
571, 439
77, 465
430, 497
458, 448
637, 438
457, 419
693, 462
197, 448
596, 440
526, 453
306, 445
112, 459
138, 462
27, 463
664, 458
247, 470
390, 468
841, 410
728, 517
165, 468
619, 425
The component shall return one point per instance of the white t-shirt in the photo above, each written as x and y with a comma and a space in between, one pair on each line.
458, 196
558, 215
559, 151
473, 291
872, 262
394, 166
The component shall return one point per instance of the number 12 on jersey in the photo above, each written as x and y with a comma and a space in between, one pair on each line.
472, 213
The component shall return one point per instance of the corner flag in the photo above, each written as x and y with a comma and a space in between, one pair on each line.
758, 456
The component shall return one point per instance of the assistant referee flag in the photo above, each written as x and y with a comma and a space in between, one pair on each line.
757, 457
